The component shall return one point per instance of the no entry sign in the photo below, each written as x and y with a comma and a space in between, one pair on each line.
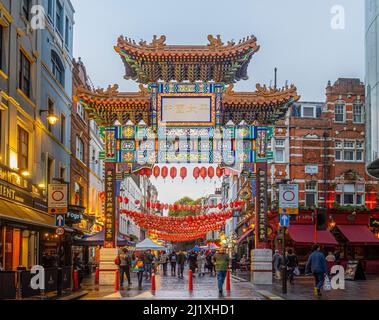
57, 198
289, 198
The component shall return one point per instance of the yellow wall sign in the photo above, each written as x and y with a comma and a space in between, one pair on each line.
289, 210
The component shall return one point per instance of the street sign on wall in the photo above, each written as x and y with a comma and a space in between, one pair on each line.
289, 199
284, 220
58, 198
59, 220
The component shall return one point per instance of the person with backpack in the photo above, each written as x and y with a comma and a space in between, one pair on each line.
125, 262
164, 261
317, 265
292, 263
181, 263
139, 268
148, 263
173, 261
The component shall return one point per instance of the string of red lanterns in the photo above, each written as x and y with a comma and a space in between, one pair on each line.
202, 172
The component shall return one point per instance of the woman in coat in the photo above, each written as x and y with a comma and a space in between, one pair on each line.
202, 262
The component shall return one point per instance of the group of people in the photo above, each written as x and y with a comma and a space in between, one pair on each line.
317, 265
217, 263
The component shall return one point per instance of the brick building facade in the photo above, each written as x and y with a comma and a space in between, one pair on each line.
321, 147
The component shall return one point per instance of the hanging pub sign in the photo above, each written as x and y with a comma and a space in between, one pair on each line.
374, 223
110, 205
262, 204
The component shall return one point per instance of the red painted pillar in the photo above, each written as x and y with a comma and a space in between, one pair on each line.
76, 280
190, 281
153, 284
117, 281
97, 275
228, 287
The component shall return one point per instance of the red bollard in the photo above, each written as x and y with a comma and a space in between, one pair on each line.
228, 281
190, 281
153, 287
97, 275
117, 281
76, 280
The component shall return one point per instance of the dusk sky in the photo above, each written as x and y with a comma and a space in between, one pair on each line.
295, 35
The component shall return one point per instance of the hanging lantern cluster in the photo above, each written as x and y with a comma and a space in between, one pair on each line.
202, 172
194, 208
175, 237
201, 224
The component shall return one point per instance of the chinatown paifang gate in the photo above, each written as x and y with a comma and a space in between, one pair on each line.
185, 112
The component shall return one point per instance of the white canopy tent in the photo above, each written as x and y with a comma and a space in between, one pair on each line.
147, 244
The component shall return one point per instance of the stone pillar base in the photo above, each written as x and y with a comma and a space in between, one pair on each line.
107, 266
261, 266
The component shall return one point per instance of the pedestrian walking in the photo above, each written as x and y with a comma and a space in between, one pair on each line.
124, 267
192, 260
139, 269
181, 264
173, 260
148, 263
164, 262
79, 267
234, 262
292, 263
201, 262
221, 262
210, 265
317, 266
276, 263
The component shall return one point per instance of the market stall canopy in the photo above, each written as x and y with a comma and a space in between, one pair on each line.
304, 234
358, 234
147, 244
98, 240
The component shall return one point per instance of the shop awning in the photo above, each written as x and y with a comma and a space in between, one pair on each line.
98, 240
358, 234
305, 234
245, 235
25, 216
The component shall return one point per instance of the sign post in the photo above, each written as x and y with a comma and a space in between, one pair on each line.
58, 198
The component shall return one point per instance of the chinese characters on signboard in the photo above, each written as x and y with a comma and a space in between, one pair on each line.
109, 239
262, 205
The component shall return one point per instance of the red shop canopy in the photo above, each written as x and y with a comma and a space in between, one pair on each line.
358, 234
245, 235
305, 234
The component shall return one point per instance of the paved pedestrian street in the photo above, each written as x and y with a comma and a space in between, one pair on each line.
205, 288
173, 288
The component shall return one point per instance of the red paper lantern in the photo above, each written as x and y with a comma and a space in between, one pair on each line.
126, 200
196, 173
183, 173
164, 172
173, 172
142, 172
211, 172
120, 199
156, 172
137, 202
148, 172
148, 204
203, 172
219, 172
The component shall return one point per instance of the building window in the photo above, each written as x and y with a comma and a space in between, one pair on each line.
63, 129
23, 149
357, 113
67, 32
78, 194
57, 67
50, 9
311, 194
308, 112
50, 170
280, 150
349, 151
24, 76
59, 17
1, 46
350, 195
26, 6
80, 110
339, 112
79, 149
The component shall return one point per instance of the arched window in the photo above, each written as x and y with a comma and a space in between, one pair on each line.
57, 67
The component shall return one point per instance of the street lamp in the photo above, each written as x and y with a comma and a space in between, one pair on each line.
51, 117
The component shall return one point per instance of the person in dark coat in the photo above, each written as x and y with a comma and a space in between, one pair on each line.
317, 265
181, 263
173, 260
193, 262
292, 263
